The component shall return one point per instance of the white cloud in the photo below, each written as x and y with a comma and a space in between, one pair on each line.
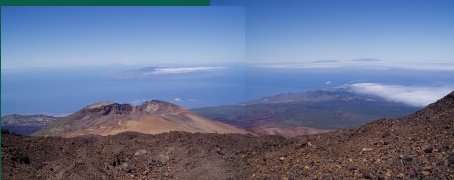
327, 82
177, 99
412, 95
181, 70
159, 71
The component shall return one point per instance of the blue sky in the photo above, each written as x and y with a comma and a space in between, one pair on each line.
92, 36
255, 31
399, 31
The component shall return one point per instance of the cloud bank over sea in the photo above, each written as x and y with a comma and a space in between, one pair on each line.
413, 95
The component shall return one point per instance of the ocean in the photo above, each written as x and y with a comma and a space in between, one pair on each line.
60, 91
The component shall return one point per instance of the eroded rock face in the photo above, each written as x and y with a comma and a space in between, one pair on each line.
113, 108
152, 106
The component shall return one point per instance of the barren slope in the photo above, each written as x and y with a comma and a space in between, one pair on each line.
419, 146
151, 117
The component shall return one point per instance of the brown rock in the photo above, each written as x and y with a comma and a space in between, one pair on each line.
428, 149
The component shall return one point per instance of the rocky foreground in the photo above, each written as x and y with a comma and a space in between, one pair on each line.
418, 146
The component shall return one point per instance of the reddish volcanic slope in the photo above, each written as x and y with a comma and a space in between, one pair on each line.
151, 117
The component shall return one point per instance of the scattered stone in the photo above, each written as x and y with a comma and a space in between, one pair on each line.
367, 176
428, 149
145, 172
124, 165
219, 152
445, 147
427, 168
425, 173
140, 152
451, 160
407, 160
388, 173
386, 134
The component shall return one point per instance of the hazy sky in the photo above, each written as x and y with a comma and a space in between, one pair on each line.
307, 30
86, 36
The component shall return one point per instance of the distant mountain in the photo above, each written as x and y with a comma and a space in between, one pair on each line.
151, 117
326, 95
26, 124
366, 60
334, 108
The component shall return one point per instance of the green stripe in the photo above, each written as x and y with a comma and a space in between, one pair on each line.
105, 2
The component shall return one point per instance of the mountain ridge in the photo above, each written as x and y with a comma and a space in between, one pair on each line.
286, 114
150, 117
333, 108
